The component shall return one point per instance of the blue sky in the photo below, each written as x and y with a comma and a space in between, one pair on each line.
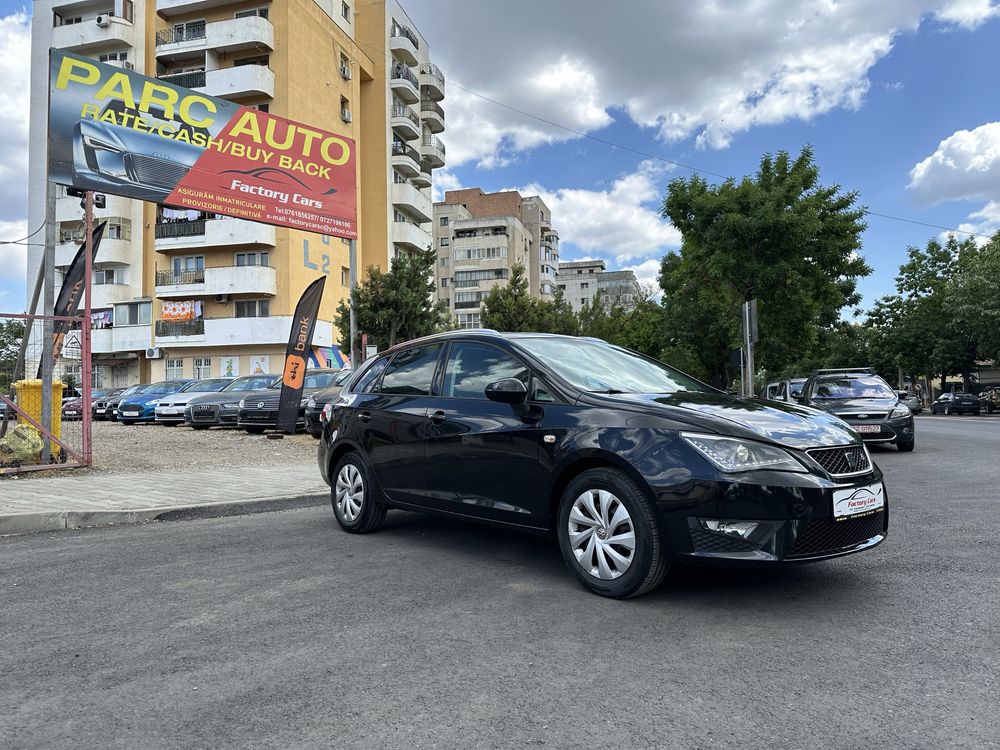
877, 91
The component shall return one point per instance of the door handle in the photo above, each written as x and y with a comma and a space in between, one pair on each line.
438, 417
364, 416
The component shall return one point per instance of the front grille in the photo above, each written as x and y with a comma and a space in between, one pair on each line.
158, 172
707, 541
869, 416
825, 535
203, 414
842, 460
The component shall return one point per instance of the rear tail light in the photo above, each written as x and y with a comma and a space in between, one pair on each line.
327, 412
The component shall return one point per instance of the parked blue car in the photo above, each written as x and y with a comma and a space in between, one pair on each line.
142, 406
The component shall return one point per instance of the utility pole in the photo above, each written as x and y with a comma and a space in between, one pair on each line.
750, 336
85, 361
353, 263
48, 309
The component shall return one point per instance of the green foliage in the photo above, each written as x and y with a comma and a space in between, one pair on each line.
556, 316
11, 333
509, 307
778, 237
974, 296
395, 306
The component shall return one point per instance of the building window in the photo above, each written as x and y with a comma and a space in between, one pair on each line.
109, 276
202, 367
132, 314
444, 261
583, 300
175, 369
481, 253
257, 60
251, 259
263, 107
444, 221
345, 11
444, 283
252, 308
345, 276
445, 241
468, 320
262, 12
113, 57
585, 285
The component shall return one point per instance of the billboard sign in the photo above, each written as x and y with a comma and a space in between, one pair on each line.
115, 131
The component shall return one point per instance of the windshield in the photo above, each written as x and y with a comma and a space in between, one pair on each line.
206, 386
165, 387
599, 367
252, 384
870, 386
313, 380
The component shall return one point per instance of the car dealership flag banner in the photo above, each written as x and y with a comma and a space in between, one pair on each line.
293, 374
115, 131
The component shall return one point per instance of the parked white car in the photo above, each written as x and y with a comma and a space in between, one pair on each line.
170, 409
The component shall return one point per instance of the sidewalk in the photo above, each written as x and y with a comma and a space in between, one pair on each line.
73, 500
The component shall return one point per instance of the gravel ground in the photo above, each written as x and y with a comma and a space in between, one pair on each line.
135, 449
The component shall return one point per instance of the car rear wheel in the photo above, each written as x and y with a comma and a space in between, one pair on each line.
354, 506
608, 535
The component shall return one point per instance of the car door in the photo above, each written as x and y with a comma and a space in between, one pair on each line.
391, 422
482, 457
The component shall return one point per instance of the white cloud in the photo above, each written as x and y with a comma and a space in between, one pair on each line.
646, 272
968, 13
13, 258
706, 70
965, 165
443, 181
622, 222
15, 61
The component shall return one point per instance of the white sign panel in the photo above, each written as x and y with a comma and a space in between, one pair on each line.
858, 500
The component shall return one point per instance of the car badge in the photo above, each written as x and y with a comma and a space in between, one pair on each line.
549, 438
852, 460
862, 416
260, 404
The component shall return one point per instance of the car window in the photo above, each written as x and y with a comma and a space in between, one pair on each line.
410, 372
319, 380
869, 386
540, 391
471, 367
206, 386
369, 375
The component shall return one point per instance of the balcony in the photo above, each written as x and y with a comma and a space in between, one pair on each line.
404, 83
110, 251
171, 8
119, 339
432, 82
432, 150
432, 115
193, 80
237, 331
412, 201
403, 43
423, 179
106, 295
89, 38
232, 35
215, 281
410, 237
405, 159
212, 233
68, 208
240, 81
405, 122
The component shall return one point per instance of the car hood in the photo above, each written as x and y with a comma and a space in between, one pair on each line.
180, 399
854, 405
787, 424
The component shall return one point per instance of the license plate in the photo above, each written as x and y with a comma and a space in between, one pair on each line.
858, 501
867, 428
168, 411
71, 413
130, 413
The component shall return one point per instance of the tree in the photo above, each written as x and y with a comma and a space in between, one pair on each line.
779, 237
974, 296
395, 306
11, 334
556, 316
510, 307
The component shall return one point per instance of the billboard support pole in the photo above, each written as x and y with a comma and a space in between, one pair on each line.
353, 263
85, 364
48, 309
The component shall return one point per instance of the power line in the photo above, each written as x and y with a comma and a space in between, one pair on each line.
18, 242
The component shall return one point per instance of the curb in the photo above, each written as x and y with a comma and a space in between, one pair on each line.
28, 523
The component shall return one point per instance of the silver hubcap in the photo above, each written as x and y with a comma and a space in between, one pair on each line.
601, 534
350, 492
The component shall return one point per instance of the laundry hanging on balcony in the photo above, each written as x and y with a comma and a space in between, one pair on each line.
102, 319
181, 310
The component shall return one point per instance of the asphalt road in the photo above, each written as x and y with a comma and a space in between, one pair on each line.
278, 630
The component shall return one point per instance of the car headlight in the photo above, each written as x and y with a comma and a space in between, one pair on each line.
735, 455
242, 403
152, 402
304, 401
901, 410
99, 145
311, 403
235, 405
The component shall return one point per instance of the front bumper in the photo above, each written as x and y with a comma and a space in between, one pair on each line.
169, 414
135, 413
211, 415
267, 418
899, 430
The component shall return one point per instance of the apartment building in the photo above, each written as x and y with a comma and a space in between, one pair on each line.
479, 237
582, 281
180, 293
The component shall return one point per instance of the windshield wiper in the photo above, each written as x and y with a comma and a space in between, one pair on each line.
609, 391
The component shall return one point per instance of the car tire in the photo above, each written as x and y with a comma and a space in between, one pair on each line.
126, 421
255, 430
947, 411
905, 447
354, 504
590, 503
976, 412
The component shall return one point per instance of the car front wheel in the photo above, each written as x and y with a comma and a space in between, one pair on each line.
608, 535
354, 504
947, 411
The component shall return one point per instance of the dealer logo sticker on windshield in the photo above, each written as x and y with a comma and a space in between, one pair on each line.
858, 501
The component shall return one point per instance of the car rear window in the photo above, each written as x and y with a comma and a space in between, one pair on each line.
410, 372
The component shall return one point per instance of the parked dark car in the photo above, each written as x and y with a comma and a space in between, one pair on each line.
911, 400
72, 409
259, 411
789, 391
141, 406
629, 462
100, 405
170, 409
989, 398
221, 409
316, 402
864, 401
956, 403
111, 410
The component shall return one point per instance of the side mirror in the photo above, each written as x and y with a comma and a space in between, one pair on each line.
507, 391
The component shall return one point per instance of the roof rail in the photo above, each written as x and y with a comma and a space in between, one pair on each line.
834, 370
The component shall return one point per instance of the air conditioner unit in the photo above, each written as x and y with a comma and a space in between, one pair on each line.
104, 19
345, 72
345, 115
154, 352
127, 65
221, 298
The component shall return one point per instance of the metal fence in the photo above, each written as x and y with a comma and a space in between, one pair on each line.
37, 432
